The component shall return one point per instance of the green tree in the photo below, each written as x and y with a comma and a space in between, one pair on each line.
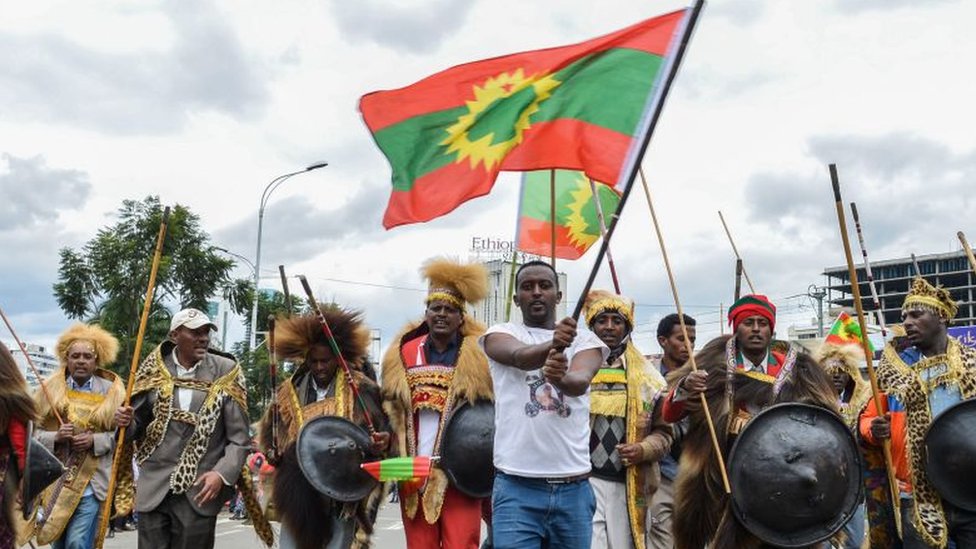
105, 280
256, 367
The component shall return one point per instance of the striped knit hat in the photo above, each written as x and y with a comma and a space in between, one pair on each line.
751, 305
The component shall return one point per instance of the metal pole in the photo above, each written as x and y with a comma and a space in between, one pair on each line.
270, 188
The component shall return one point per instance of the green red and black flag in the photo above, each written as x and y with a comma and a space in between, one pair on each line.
577, 222
399, 468
581, 107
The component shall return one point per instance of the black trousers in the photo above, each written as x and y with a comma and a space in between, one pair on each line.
175, 524
962, 526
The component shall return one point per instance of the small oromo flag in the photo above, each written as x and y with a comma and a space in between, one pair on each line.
577, 222
846, 331
399, 468
581, 107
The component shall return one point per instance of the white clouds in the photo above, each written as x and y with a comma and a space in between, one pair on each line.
205, 103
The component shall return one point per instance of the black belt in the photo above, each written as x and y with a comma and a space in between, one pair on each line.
567, 480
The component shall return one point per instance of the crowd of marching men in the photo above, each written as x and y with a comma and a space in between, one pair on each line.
553, 432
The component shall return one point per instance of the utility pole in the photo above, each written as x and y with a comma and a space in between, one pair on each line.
818, 293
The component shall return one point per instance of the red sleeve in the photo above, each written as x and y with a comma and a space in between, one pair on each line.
17, 434
672, 411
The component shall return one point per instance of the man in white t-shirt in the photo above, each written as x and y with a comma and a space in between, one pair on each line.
541, 372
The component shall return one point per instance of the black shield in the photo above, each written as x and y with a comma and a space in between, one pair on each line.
467, 446
950, 448
41, 470
795, 472
330, 451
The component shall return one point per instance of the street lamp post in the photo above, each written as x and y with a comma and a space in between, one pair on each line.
250, 264
270, 188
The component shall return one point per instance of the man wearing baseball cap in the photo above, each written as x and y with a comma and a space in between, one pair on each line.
189, 414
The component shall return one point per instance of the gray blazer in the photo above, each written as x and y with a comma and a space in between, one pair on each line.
229, 444
103, 445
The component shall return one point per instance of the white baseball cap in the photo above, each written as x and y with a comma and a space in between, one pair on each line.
192, 319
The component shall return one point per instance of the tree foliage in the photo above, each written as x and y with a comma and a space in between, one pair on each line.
105, 280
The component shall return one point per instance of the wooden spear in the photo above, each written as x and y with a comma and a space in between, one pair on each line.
735, 250
133, 366
870, 275
273, 372
969, 251
33, 368
684, 330
337, 353
284, 288
865, 344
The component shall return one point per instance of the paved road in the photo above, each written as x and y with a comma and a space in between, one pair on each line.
233, 534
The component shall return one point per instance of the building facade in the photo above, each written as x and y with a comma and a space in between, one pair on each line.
44, 361
893, 278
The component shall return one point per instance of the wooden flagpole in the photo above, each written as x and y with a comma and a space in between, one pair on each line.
133, 366
33, 368
511, 284
682, 46
752, 289
865, 344
552, 217
684, 330
603, 233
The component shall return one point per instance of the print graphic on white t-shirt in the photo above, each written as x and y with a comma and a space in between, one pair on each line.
543, 397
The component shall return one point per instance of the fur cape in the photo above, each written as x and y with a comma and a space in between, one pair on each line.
306, 511
702, 512
471, 382
16, 402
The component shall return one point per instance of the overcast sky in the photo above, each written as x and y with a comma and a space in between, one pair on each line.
203, 103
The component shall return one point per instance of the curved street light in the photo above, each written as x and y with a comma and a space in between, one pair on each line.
270, 188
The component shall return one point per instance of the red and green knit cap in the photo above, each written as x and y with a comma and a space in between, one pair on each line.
751, 305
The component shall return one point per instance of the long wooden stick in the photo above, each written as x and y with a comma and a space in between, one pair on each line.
738, 282
511, 285
684, 330
969, 251
133, 366
865, 344
552, 217
603, 232
30, 363
752, 289
870, 275
284, 288
337, 353
918, 272
273, 372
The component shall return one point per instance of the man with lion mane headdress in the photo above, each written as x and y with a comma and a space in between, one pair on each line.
436, 366
310, 519
86, 396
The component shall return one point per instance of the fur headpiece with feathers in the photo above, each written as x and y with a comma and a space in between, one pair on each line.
455, 282
296, 335
104, 344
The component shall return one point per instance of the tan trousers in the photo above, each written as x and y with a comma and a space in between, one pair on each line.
659, 517
611, 527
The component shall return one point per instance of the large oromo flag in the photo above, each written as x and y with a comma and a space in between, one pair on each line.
577, 220
581, 107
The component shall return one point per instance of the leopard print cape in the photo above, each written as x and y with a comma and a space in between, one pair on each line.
153, 375
905, 383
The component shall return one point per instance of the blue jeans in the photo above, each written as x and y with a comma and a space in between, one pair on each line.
529, 513
80, 531
855, 528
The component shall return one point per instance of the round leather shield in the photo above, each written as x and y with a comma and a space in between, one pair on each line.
467, 446
330, 451
40, 471
949, 450
795, 472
